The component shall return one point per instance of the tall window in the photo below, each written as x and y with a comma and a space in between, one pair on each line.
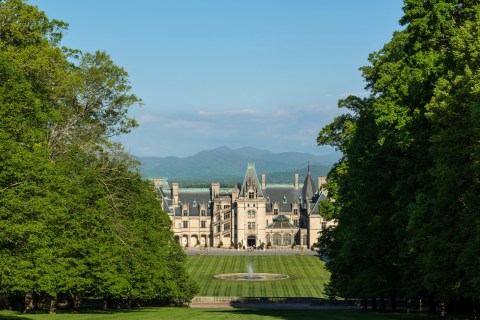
251, 194
185, 212
203, 212
185, 224
203, 224
295, 212
275, 211
251, 225
287, 239
324, 225
295, 222
226, 226
277, 239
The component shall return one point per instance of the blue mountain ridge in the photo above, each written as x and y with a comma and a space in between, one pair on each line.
224, 163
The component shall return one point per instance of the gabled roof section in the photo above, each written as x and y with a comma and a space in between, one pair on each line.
193, 197
251, 181
308, 190
284, 195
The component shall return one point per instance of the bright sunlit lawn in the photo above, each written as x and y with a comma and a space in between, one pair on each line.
307, 276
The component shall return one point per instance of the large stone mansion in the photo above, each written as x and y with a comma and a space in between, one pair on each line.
257, 213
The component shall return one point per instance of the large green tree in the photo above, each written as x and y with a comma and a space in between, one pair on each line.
76, 219
408, 192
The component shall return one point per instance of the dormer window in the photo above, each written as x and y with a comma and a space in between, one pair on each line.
284, 199
251, 195
194, 204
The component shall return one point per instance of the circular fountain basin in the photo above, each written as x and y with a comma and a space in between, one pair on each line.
251, 276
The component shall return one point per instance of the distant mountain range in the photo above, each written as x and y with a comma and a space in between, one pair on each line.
229, 166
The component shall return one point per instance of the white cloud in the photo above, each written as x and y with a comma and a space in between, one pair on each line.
149, 118
231, 113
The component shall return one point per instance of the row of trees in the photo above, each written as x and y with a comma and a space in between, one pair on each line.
76, 219
407, 190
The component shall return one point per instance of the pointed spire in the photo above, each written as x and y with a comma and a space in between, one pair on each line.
308, 186
251, 181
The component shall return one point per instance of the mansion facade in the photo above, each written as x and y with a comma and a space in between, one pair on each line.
255, 213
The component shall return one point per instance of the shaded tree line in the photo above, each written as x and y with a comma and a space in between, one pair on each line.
407, 189
76, 219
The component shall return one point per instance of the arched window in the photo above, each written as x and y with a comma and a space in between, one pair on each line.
277, 239
287, 239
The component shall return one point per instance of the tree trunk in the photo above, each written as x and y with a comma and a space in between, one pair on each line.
393, 303
431, 304
443, 310
106, 303
365, 304
382, 303
77, 301
53, 305
374, 303
28, 302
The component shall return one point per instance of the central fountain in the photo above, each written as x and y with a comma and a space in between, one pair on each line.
250, 276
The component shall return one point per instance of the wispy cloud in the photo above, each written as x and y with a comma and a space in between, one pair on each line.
281, 129
231, 113
149, 118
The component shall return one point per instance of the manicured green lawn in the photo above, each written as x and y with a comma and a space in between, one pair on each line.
210, 314
307, 276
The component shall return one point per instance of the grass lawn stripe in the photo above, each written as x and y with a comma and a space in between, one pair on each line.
307, 275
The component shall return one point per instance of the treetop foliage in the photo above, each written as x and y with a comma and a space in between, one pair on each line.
76, 219
407, 189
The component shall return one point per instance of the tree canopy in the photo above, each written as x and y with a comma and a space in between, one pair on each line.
407, 188
76, 219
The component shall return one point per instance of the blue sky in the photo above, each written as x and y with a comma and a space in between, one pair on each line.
260, 73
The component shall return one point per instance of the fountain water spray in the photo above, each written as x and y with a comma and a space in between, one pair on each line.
250, 271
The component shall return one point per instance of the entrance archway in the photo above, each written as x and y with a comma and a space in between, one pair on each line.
251, 241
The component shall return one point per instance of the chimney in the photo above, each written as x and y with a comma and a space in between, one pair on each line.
215, 189
263, 181
175, 193
296, 181
157, 182
235, 193
321, 181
